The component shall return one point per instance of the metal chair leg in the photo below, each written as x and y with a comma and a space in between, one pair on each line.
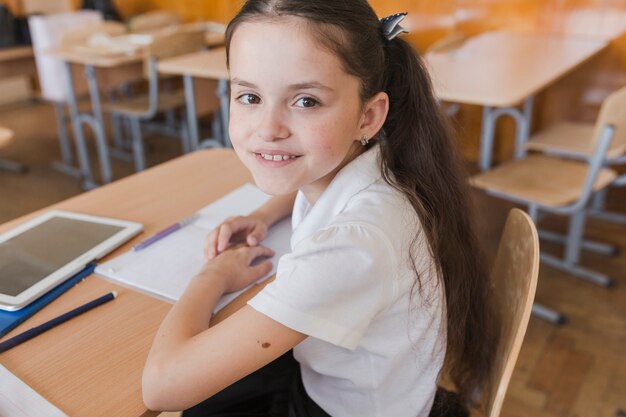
578, 271
547, 314
16, 167
590, 245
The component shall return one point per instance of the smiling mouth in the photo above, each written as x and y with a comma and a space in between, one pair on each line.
276, 157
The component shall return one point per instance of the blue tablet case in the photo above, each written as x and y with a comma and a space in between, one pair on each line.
11, 319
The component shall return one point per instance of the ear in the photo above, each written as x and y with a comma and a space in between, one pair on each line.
374, 115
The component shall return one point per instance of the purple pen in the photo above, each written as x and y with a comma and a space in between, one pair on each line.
165, 232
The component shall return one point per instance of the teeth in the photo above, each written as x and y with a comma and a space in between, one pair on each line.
269, 157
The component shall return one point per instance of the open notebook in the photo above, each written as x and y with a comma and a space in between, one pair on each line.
165, 267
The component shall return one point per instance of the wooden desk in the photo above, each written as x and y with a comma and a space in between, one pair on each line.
91, 366
16, 61
114, 69
500, 71
205, 64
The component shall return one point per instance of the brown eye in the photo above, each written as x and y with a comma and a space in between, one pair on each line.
307, 102
249, 99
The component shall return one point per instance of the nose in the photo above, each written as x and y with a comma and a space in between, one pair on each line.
272, 124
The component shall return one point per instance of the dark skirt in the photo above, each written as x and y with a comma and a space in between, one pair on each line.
276, 390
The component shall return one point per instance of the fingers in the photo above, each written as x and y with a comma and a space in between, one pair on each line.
258, 252
240, 229
256, 235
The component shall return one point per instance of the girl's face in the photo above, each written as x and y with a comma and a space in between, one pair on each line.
296, 117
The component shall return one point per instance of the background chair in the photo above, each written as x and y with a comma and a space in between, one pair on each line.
547, 184
514, 279
46, 33
5, 165
147, 106
577, 141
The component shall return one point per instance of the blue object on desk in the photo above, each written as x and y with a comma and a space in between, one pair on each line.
11, 319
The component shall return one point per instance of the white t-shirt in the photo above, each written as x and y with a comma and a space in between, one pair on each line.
373, 350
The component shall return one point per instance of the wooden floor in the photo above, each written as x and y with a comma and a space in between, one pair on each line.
577, 370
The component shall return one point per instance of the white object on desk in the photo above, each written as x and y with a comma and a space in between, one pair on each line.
165, 268
19, 400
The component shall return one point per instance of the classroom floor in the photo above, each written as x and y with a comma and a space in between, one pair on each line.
577, 370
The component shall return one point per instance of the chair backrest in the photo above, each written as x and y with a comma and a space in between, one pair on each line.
152, 21
613, 112
170, 44
46, 32
5, 136
80, 36
514, 277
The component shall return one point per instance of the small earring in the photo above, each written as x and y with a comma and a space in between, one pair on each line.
364, 141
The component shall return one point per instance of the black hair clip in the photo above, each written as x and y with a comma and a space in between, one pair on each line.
391, 25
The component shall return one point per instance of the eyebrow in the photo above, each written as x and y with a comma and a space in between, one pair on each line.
299, 86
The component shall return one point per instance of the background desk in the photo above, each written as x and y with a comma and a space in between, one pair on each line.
114, 70
91, 366
500, 71
204, 64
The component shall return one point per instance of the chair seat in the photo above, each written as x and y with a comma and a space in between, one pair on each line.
140, 105
5, 136
569, 139
541, 179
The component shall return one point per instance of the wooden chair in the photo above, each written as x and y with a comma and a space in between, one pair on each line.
6, 135
46, 33
514, 279
146, 106
153, 21
547, 184
577, 141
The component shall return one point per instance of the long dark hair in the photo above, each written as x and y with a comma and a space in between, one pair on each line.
419, 159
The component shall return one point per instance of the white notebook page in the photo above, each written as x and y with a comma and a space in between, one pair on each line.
165, 268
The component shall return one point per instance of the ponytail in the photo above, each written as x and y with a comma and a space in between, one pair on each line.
420, 159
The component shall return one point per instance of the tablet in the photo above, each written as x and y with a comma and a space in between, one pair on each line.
47, 250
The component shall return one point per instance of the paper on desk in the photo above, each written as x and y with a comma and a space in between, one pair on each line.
19, 400
166, 267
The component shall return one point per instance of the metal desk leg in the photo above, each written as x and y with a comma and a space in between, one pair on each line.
98, 124
487, 134
83, 157
491, 115
224, 95
192, 118
523, 128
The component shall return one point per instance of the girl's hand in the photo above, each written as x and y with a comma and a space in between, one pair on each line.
235, 230
236, 268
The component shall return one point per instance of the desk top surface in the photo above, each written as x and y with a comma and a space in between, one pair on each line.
503, 68
91, 366
95, 56
203, 64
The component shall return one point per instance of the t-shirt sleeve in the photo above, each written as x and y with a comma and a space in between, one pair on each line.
332, 285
